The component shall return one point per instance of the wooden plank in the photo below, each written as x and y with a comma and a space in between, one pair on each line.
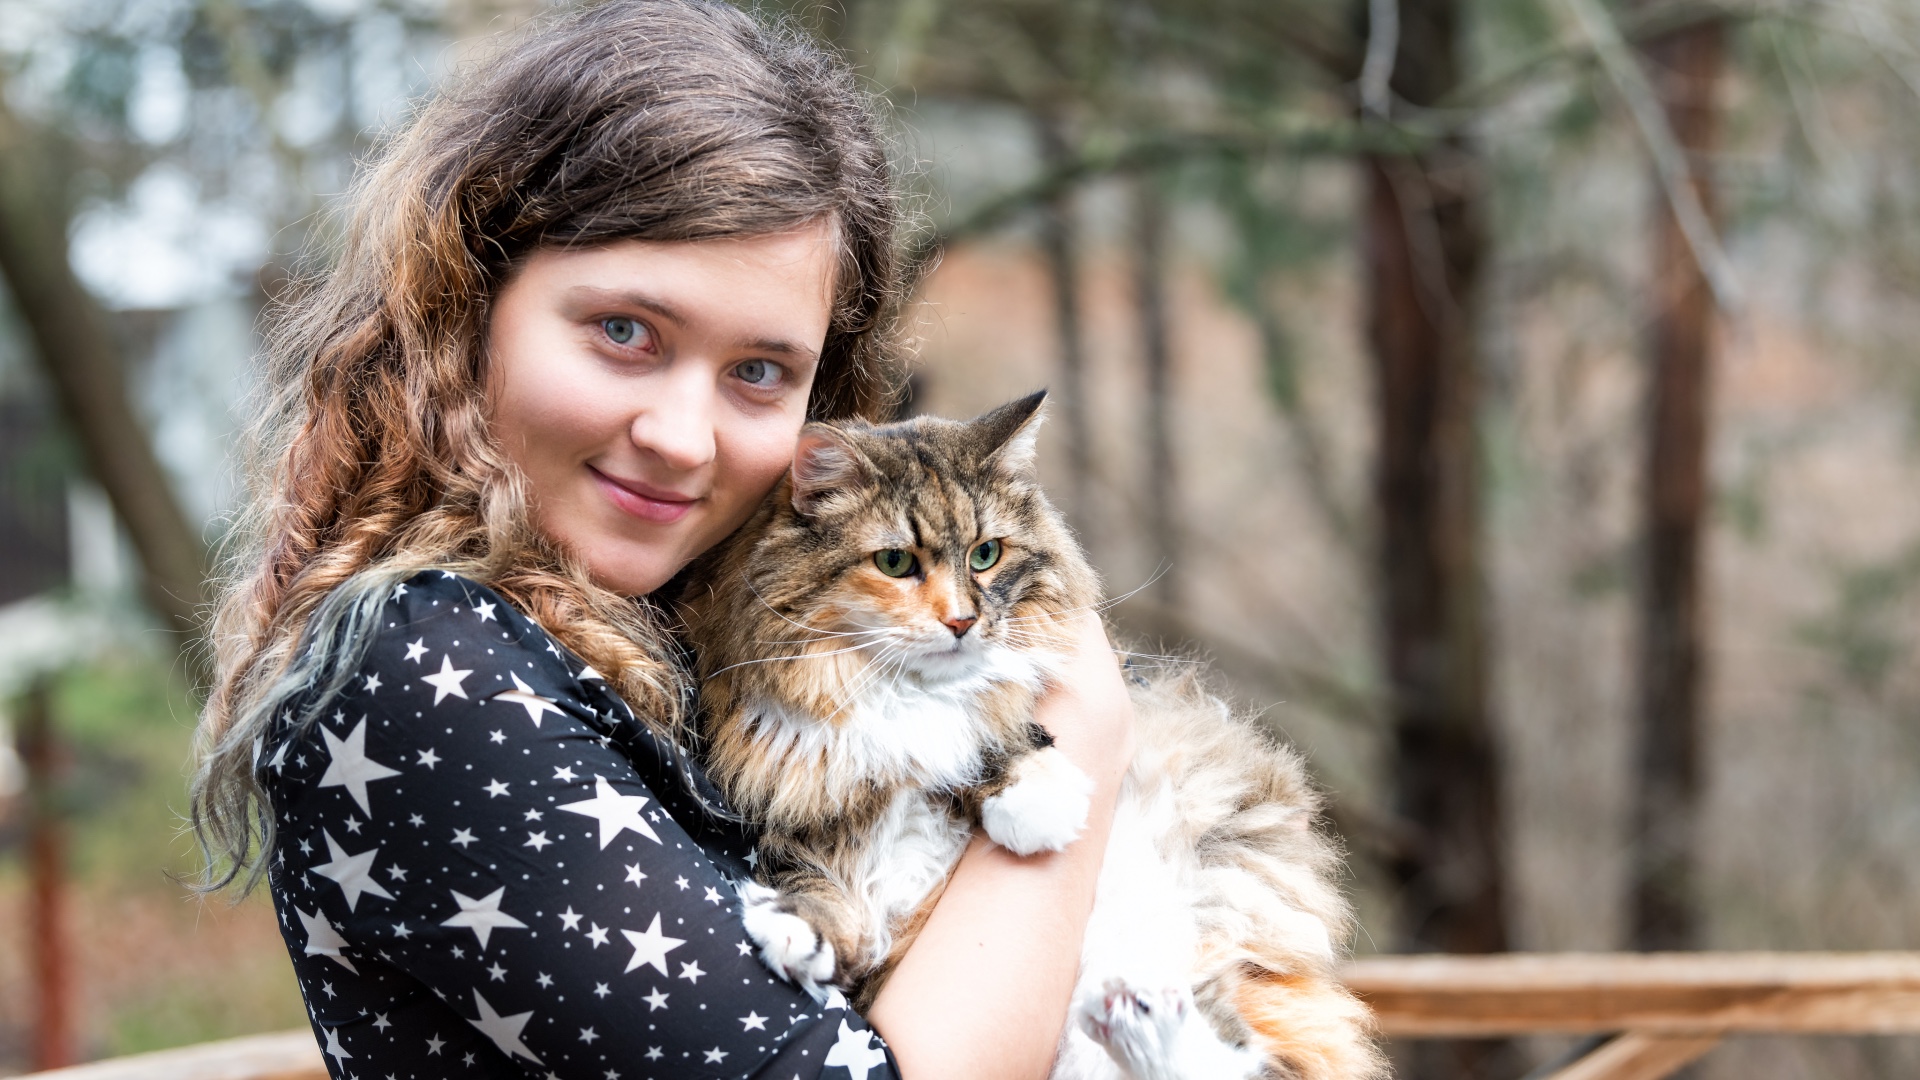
287, 1055
1635, 1056
1672, 993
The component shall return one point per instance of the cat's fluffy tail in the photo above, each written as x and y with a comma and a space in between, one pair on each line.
1309, 1025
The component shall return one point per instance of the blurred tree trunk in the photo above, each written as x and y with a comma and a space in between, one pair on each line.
1424, 246
74, 341
1060, 243
1150, 297
1685, 71
40, 752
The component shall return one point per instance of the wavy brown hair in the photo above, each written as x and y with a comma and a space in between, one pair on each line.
658, 120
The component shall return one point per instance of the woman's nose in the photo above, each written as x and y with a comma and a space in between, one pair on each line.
676, 421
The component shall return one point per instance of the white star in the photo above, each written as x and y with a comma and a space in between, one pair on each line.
754, 1021
496, 789
434, 1044
745, 947
682, 882
400, 931
428, 758
614, 811
483, 915
327, 989
353, 824
597, 935
333, 1047
537, 841
655, 1000
713, 895
714, 1055
531, 815
564, 772
601, 990
588, 673
544, 981
396, 873
653, 1053
399, 591
497, 973
350, 766
416, 820
324, 940
278, 762
417, 650
462, 837
587, 1036
569, 919
855, 1052
652, 947
353, 873
690, 972
447, 681
373, 682
484, 609
380, 1022
634, 875
523, 696
497, 737
505, 1030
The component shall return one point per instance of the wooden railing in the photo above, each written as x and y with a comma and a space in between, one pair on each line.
1661, 1010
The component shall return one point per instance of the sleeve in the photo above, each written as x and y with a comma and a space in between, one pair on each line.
460, 823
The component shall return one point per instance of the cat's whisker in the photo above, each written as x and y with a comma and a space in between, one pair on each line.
795, 656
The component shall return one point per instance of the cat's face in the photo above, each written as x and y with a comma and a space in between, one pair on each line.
928, 543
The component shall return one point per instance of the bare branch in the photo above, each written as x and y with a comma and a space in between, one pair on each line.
1669, 160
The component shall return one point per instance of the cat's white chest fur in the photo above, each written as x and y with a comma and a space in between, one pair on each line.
902, 728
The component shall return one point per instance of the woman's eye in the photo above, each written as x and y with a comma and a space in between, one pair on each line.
984, 556
757, 372
621, 330
894, 562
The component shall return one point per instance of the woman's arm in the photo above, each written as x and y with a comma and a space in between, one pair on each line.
983, 992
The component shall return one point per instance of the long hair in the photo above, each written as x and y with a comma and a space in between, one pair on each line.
371, 460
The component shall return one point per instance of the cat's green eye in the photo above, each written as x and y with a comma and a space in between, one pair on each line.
984, 556
894, 562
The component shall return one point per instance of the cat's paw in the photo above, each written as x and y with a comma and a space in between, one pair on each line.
789, 945
1043, 809
1155, 1033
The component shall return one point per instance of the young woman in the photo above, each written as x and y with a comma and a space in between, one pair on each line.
582, 308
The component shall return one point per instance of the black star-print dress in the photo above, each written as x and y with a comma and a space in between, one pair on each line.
485, 866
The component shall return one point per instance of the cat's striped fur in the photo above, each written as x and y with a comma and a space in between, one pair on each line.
869, 722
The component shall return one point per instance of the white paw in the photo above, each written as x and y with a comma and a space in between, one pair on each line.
788, 944
1155, 1034
1045, 807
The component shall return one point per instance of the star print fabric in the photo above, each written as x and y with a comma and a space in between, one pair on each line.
485, 866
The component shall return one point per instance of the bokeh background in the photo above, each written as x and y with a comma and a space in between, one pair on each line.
1514, 401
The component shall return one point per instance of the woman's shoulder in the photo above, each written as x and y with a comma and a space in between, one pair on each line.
457, 638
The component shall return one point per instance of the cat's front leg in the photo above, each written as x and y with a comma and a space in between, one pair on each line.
798, 934
1042, 805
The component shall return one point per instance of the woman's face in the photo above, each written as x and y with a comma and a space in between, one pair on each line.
651, 392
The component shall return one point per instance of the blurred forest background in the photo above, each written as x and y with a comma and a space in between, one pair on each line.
1515, 400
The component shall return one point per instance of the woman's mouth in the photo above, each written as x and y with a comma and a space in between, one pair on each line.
644, 501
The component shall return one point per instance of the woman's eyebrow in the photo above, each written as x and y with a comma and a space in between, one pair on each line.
782, 347
589, 295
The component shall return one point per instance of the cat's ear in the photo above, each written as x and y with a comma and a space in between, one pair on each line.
825, 462
1008, 433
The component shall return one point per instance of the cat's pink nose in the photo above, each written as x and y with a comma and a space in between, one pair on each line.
960, 624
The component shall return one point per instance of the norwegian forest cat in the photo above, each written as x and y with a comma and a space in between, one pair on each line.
871, 646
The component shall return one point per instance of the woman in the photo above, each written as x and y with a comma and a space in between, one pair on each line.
581, 311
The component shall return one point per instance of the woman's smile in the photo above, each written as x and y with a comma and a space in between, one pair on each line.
644, 501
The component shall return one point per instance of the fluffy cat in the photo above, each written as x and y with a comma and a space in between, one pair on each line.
871, 646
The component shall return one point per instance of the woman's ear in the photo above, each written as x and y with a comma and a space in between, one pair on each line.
825, 464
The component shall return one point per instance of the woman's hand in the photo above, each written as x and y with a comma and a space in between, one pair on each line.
984, 990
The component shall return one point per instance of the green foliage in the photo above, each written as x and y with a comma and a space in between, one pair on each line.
1866, 630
